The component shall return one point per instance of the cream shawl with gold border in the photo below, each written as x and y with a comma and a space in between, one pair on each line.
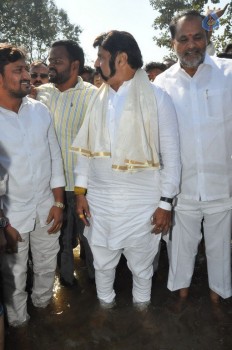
137, 139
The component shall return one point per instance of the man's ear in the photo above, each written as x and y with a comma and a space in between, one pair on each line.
122, 58
76, 65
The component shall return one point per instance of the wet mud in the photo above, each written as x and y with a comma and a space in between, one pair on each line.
74, 319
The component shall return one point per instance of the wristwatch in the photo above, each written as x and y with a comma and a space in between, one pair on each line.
4, 222
59, 205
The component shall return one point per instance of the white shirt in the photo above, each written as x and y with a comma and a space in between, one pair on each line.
169, 140
204, 111
30, 154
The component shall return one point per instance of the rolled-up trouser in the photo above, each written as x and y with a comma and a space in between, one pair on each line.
44, 248
185, 238
140, 262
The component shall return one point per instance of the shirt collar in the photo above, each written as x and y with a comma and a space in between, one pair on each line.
80, 85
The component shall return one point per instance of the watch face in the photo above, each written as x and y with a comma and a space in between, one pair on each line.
3, 222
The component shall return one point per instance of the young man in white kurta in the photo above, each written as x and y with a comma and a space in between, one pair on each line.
202, 97
122, 203
31, 157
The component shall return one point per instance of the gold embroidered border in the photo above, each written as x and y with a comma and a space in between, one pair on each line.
134, 167
82, 151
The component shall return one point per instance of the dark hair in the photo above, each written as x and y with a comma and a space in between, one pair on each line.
74, 50
155, 65
228, 47
119, 41
225, 55
10, 54
88, 69
186, 13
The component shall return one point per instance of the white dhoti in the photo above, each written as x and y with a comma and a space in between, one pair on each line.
121, 206
185, 238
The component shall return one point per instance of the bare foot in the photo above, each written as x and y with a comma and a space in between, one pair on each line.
183, 293
214, 297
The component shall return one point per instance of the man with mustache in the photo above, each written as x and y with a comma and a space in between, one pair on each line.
38, 73
201, 88
30, 155
67, 97
129, 166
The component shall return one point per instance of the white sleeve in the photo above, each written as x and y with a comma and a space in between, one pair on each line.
57, 177
81, 171
169, 145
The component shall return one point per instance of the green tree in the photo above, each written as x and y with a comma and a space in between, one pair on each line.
35, 24
167, 9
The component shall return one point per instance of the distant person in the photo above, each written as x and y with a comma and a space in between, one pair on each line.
153, 69
39, 73
201, 89
33, 202
97, 79
227, 53
67, 96
169, 62
228, 49
87, 74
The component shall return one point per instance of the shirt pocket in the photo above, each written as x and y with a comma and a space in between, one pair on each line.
214, 104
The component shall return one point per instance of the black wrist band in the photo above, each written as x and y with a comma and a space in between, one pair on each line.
165, 199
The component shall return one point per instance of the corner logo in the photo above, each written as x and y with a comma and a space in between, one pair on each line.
211, 22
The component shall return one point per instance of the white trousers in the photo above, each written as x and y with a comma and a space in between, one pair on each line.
139, 261
44, 248
185, 238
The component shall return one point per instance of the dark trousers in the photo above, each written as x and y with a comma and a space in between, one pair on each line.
71, 231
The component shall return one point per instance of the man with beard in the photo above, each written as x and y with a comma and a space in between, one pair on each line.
201, 88
67, 98
128, 125
30, 155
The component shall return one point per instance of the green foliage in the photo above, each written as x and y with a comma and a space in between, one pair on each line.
167, 9
35, 24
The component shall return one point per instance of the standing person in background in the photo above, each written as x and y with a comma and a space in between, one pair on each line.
39, 73
201, 88
128, 125
67, 98
97, 79
87, 74
33, 203
153, 69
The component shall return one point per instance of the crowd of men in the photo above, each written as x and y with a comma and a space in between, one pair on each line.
146, 155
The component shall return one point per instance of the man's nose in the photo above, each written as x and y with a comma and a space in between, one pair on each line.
191, 43
96, 64
26, 75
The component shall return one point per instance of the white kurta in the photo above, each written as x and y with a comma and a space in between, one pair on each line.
121, 204
204, 110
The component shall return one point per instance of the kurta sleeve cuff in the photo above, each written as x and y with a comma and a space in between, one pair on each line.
81, 181
165, 205
58, 181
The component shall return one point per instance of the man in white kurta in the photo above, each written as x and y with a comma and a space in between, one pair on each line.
30, 155
201, 89
129, 126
